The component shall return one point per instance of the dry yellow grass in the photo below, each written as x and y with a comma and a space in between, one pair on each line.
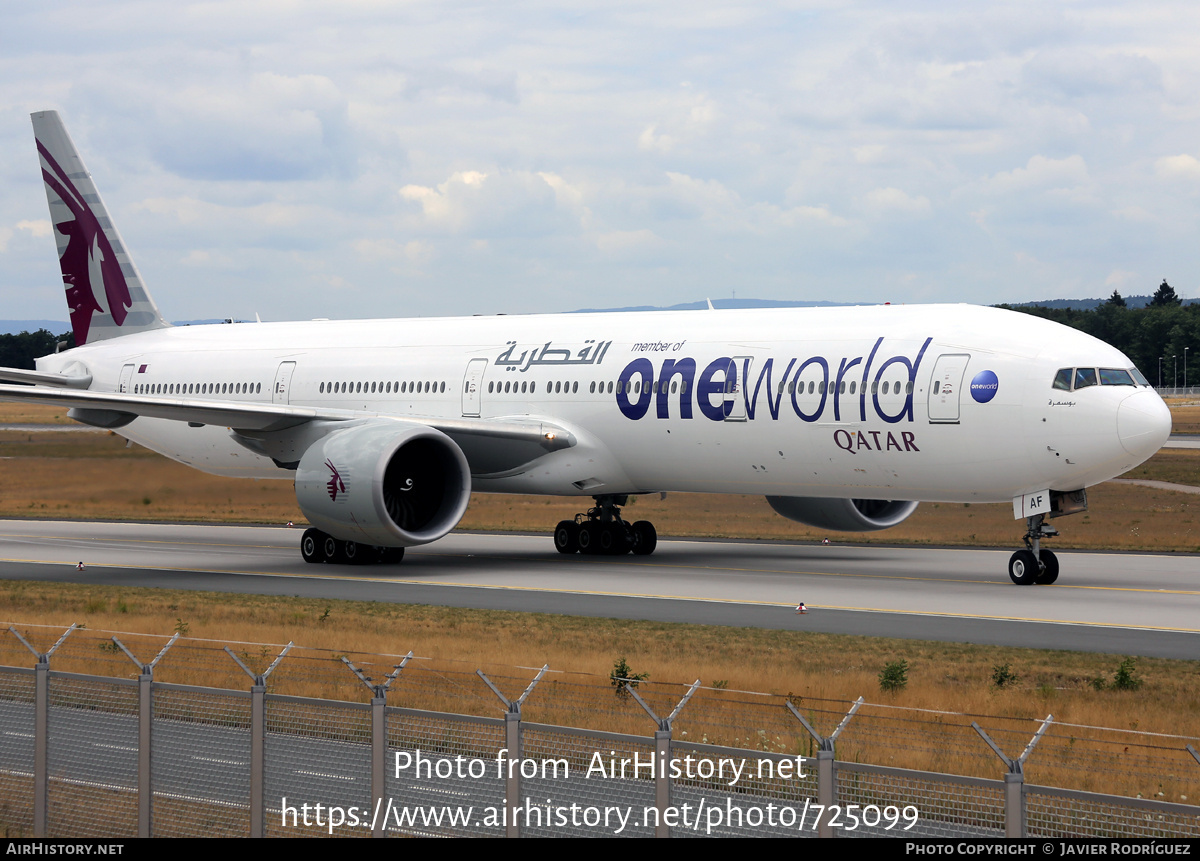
821, 673
94, 476
1185, 415
32, 414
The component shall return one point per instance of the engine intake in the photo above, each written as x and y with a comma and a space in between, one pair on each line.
843, 515
385, 482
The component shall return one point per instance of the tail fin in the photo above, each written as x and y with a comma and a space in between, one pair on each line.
104, 291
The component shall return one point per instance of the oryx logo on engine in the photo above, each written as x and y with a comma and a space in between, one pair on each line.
335, 485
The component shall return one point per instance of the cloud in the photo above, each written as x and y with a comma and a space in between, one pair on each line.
496, 203
1178, 167
881, 201
1041, 173
36, 228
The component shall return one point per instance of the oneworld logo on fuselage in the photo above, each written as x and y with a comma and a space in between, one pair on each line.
984, 386
814, 386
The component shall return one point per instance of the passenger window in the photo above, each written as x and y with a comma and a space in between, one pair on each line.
1062, 380
1085, 377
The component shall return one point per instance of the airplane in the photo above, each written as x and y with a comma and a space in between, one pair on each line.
844, 418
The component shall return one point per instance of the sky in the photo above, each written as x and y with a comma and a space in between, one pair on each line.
369, 159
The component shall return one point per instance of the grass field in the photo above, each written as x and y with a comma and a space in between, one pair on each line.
96, 476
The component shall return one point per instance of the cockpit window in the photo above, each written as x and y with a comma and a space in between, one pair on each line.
1115, 377
1071, 379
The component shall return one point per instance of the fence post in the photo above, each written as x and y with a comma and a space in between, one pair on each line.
662, 754
512, 781
512, 741
1014, 779
41, 746
41, 731
826, 764
379, 736
145, 724
258, 739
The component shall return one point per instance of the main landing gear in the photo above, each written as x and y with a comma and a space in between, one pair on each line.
1033, 564
316, 546
602, 531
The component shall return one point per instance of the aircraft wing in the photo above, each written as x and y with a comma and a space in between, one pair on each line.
116, 409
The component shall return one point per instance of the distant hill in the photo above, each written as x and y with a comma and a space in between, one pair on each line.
725, 304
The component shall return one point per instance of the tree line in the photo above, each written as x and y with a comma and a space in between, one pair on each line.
19, 351
1161, 329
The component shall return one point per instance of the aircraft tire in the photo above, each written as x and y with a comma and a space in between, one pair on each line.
645, 538
391, 555
587, 538
1050, 574
310, 546
606, 541
355, 553
566, 537
1023, 568
331, 549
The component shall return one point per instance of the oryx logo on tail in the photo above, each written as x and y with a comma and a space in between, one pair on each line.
93, 277
105, 295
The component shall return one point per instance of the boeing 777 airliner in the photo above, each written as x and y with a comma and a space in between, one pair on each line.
844, 418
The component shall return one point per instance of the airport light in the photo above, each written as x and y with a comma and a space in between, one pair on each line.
1160, 358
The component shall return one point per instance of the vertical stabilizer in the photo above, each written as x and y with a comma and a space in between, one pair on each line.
104, 291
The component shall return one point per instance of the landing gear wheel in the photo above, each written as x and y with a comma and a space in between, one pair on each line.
566, 536
310, 546
355, 553
587, 539
391, 555
645, 538
1023, 568
331, 549
606, 541
1050, 572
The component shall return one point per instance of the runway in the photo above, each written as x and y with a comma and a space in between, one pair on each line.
1123, 603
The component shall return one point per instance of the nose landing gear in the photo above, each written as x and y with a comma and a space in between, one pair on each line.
1033, 564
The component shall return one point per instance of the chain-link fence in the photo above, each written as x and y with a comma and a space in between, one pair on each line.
249, 739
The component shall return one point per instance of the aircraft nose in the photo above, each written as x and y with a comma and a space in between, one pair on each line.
1143, 423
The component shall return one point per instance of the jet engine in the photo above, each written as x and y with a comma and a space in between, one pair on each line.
843, 515
386, 483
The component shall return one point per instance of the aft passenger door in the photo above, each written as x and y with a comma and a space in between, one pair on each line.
126, 376
944, 388
283, 383
473, 387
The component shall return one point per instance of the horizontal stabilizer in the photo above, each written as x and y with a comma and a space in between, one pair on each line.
42, 378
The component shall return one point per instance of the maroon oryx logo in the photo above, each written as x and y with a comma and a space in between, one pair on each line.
336, 485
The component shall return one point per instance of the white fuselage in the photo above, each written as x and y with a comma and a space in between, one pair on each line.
825, 402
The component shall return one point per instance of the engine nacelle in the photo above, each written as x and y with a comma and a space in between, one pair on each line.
384, 482
843, 515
